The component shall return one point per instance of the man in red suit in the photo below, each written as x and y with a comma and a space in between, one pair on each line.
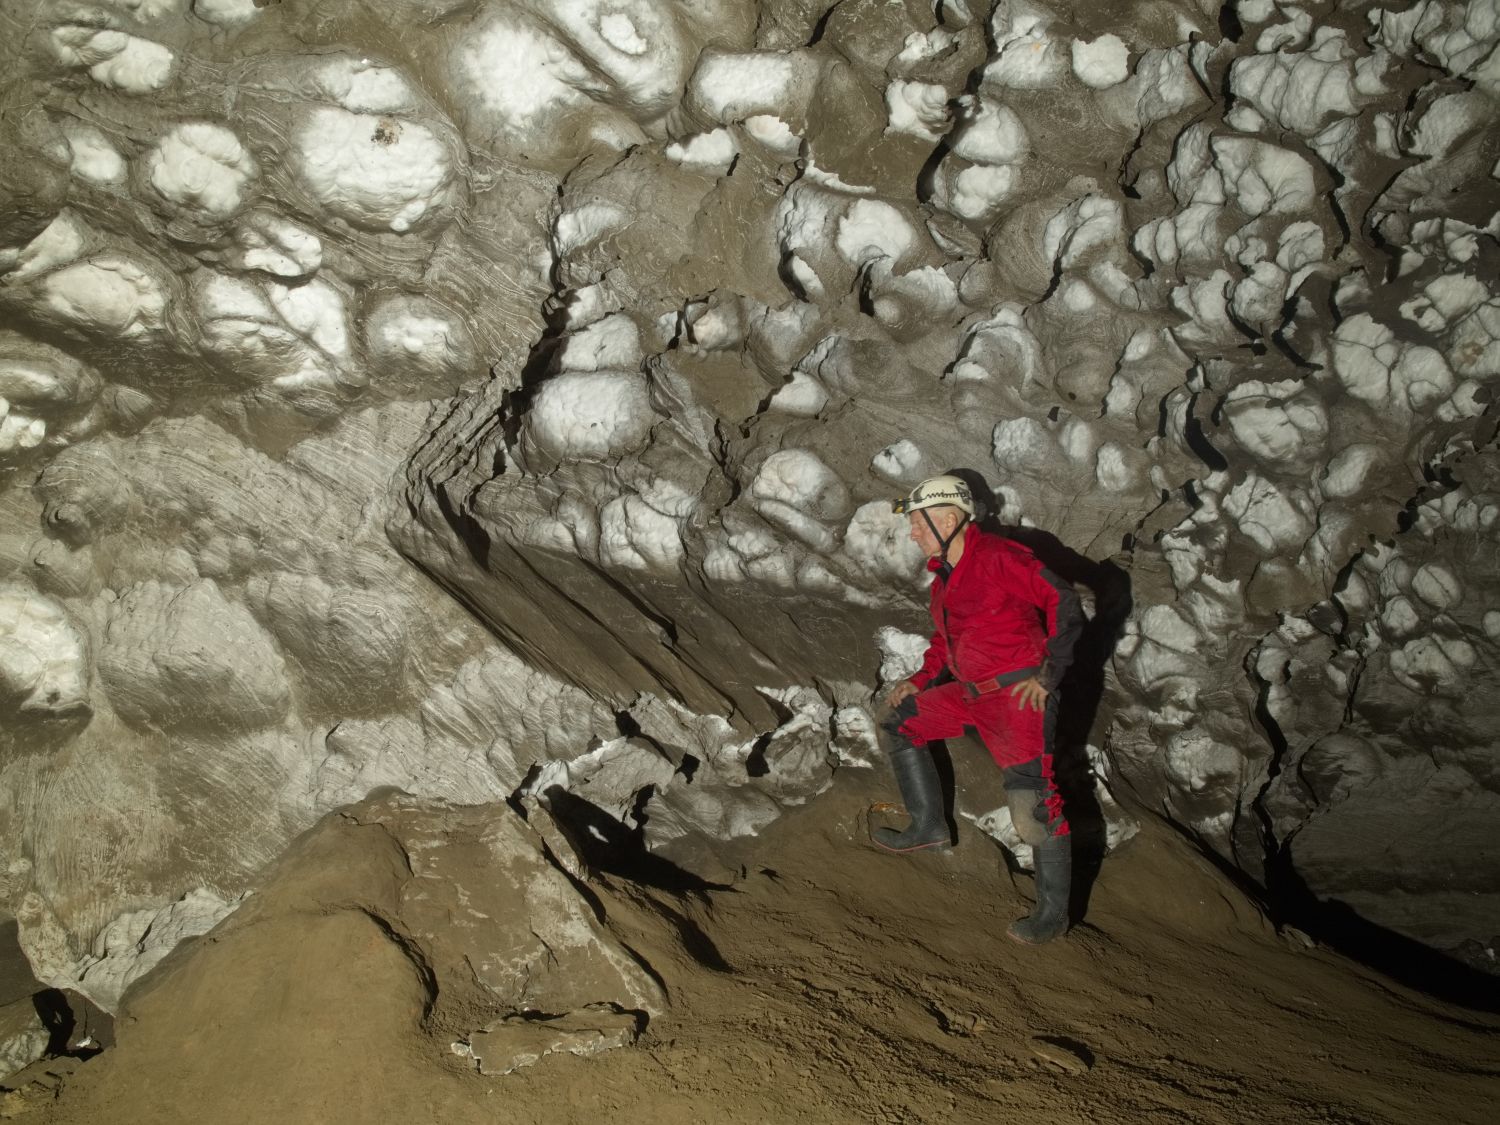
1004, 628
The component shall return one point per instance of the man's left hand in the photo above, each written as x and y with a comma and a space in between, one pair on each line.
1030, 693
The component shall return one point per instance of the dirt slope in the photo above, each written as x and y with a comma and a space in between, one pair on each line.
833, 983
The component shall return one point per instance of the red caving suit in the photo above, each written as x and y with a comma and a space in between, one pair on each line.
1000, 613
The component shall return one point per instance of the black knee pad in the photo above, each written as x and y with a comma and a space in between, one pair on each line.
1028, 814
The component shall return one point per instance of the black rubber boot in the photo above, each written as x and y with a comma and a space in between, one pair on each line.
1054, 882
922, 793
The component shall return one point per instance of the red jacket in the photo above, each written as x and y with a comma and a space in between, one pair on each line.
999, 611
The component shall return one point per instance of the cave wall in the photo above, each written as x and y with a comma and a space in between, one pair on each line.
447, 394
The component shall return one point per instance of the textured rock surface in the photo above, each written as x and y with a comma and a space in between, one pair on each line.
811, 991
419, 931
621, 321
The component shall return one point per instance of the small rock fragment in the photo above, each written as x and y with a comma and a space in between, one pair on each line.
1065, 1054
521, 1040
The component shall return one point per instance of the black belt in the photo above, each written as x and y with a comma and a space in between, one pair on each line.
995, 683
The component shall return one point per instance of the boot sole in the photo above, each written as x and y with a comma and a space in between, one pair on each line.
1019, 940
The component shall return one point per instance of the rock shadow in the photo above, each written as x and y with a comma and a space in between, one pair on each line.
604, 844
76, 1026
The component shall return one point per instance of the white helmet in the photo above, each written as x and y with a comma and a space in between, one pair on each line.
937, 492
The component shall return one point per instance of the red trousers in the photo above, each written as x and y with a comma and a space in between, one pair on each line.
1018, 738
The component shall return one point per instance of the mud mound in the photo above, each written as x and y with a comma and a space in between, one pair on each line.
830, 983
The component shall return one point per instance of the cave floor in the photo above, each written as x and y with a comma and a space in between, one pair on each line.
834, 983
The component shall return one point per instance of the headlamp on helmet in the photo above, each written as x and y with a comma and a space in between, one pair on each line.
937, 492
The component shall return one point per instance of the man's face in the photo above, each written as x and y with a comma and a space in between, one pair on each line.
946, 520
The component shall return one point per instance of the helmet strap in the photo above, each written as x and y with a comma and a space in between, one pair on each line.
946, 567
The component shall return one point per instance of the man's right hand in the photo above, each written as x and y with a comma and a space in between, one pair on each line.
904, 690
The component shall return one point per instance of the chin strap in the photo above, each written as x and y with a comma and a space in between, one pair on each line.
945, 568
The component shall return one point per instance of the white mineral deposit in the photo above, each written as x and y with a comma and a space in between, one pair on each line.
448, 577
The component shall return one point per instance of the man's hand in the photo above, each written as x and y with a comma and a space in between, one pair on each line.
904, 690
1030, 693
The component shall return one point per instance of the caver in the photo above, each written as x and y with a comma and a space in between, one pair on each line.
1003, 633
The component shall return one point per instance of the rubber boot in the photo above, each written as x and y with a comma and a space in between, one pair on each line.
1054, 883
922, 794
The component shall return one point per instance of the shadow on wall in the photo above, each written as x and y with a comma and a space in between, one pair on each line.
1287, 899
1405, 960
1082, 690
